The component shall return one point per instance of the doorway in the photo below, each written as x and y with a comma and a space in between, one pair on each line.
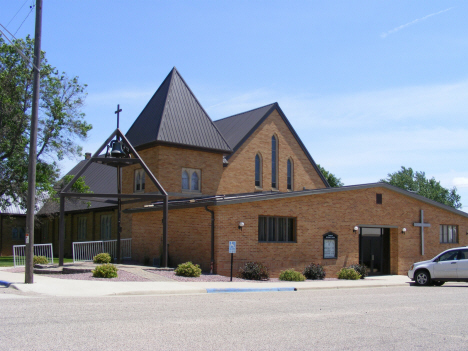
374, 250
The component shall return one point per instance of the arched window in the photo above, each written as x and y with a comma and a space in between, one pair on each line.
185, 180
258, 171
274, 162
290, 174
194, 183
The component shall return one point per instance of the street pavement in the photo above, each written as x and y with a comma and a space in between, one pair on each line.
46, 285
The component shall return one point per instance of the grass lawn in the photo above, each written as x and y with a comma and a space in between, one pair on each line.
7, 261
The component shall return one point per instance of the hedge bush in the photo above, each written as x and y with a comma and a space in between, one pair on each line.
361, 269
314, 271
348, 273
188, 269
40, 260
254, 271
106, 270
102, 258
291, 275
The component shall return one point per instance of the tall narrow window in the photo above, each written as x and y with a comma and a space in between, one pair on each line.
194, 181
106, 227
191, 180
139, 180
82, 228
185, 180
258, 171
45, 231
290, 174
274, 162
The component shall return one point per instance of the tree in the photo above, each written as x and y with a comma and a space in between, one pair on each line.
416, 182
61, 122
333, 180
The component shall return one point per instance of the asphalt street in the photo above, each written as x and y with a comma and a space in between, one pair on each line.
394, 318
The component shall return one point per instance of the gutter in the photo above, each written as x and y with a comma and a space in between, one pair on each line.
212, 238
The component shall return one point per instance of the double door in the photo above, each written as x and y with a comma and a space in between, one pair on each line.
374, 250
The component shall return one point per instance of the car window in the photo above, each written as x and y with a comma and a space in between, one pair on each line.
449, 256
463, 255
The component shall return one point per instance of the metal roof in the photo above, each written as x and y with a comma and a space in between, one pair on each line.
99, 177
220, 200
174, 116
13, 208
238, 128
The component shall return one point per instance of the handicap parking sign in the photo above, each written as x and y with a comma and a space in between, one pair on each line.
232, 247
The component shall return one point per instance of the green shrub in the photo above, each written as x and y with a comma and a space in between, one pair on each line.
254, 271
188, 269
40, 260
106, 270
348, 273
361, 269
314, 271
102, 258
291, 275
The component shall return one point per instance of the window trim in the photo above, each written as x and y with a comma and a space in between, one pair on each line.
141, 181
276, 223
190, 172
444, 236
260, 171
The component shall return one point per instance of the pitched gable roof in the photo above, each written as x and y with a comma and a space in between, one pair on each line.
174, 116
238, 128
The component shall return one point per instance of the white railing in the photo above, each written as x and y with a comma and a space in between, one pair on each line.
19, 253
86, 250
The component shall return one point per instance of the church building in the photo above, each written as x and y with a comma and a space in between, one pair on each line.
249, 178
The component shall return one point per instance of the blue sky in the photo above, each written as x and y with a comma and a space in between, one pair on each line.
369, 86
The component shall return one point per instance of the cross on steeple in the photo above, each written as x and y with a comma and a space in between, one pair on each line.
422, 225
118, 115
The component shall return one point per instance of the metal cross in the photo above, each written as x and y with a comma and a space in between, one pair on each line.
422, 225
118, 115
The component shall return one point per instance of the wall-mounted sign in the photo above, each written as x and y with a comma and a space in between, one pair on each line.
330, 245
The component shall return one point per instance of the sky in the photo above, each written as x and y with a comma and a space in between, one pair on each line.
369, 86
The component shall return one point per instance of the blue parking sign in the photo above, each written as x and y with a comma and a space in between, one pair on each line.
232, 247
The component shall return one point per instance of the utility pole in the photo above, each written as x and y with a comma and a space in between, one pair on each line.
31, 201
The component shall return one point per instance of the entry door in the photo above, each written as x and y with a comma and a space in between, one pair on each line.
371, 250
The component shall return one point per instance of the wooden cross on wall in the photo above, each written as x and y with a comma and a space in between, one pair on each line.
422, 225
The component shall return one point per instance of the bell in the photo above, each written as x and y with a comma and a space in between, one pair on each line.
117, 149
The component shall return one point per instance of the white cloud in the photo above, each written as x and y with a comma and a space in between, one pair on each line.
396, 29
460, 182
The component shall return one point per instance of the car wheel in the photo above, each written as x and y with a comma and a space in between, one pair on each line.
422, 278
438, 283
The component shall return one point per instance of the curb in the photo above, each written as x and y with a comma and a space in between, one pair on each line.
351, 286
5, 283
235, 290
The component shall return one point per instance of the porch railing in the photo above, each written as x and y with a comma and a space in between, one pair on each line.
19, 253
86, 250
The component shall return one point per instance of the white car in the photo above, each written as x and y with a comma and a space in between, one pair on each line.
448, 266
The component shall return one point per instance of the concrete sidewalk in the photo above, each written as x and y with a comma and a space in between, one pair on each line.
86, 288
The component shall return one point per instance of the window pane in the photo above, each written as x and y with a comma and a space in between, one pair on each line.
185, 180
273, 162
450, 238
137, 181
271, 228
257, 170
289, 173
194, 181
455, 234
441, 234
290, 229
281, 229
261, 228
142, 180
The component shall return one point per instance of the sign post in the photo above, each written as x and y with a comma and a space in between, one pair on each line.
232, 251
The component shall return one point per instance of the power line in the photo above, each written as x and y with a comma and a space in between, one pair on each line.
17, 13
32, 8
15, 46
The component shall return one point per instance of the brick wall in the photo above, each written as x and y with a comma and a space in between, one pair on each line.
239, 175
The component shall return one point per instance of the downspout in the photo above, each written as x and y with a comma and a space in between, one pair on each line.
212, 238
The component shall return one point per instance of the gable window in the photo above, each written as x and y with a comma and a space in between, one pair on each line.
82, 228
290, 174
191, 180
276, 229
139, 180
274, 162
258, 171
106, 227
448, 234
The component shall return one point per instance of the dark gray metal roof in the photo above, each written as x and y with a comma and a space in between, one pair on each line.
99, 177
238, 128
220, 200
174, 116
13, 208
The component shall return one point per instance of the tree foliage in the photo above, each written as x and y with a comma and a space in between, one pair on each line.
417, 182
61, 122
333, 180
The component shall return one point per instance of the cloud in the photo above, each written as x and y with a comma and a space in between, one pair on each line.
460, 182
394, 30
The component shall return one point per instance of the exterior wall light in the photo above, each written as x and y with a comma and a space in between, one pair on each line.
355, 229
241, 224
403, 230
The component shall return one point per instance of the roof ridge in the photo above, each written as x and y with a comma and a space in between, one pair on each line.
241, 113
